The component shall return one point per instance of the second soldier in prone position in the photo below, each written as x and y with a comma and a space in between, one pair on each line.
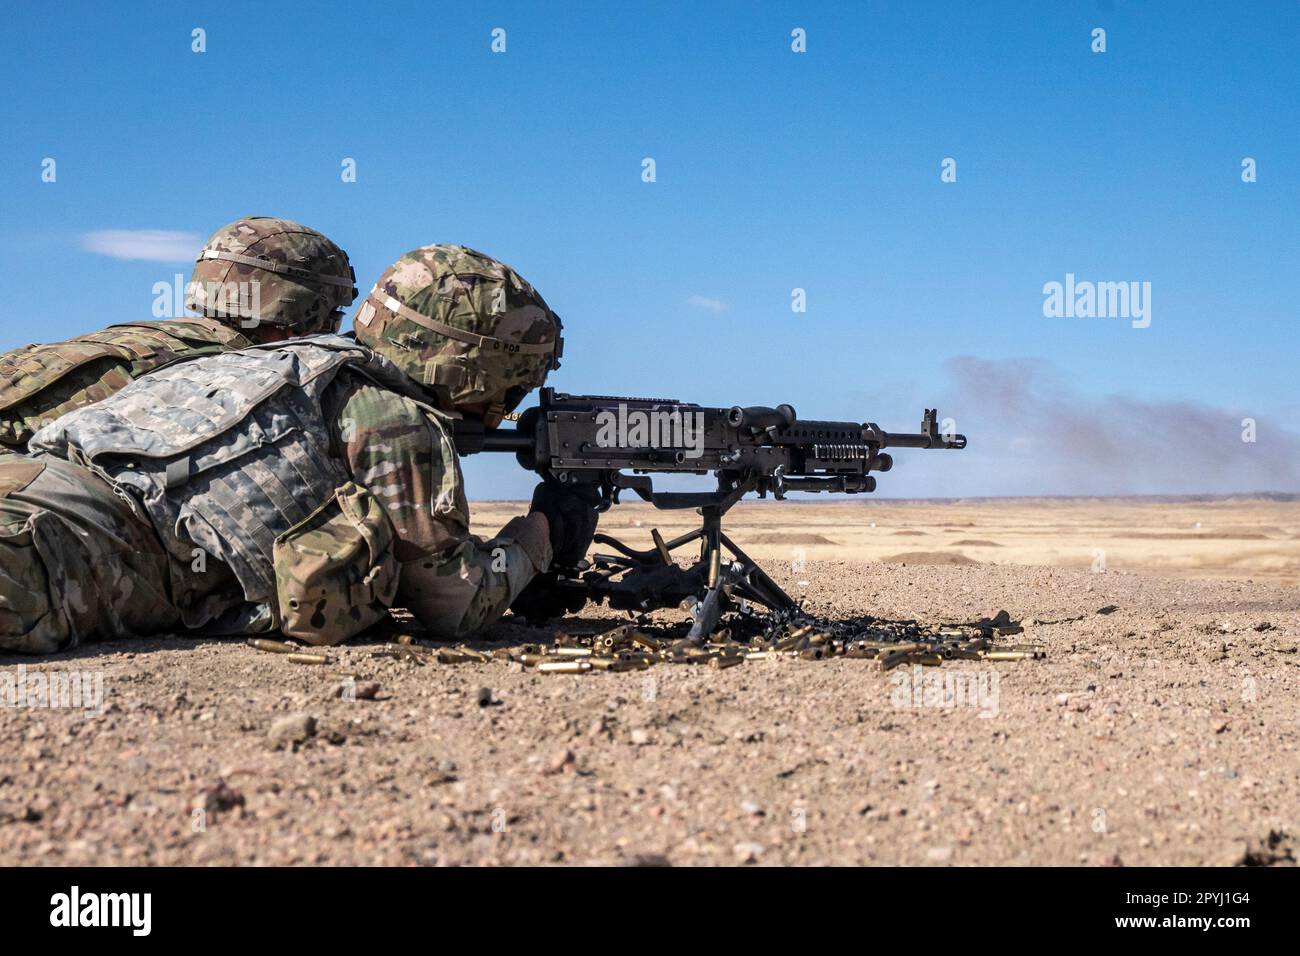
304, 486
258, 279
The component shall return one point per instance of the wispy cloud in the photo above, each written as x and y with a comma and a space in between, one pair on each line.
706, 303
153, 245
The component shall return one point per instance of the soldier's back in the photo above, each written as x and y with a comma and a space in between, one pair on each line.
38, 383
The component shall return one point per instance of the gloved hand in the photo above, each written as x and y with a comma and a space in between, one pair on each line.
570, 511
542, 599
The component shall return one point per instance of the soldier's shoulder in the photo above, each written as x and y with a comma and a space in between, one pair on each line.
370, 406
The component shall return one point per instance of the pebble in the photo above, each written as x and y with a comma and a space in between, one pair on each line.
751, 808
292, 730
640, 736
748, 852
560, 761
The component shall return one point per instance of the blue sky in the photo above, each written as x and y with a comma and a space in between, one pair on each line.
775, 170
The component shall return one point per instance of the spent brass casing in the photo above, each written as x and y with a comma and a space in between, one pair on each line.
472, 654
661, 546
1037, 650
565, 667
531, 660
891, 659
909, 648
616, 665
812, 654
822, 637
567, 651
308, 658
1007, 656
926, 660
273, 647
723, 661
448, 655
646, 641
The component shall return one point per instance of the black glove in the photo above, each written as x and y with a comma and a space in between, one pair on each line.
571, 512
543, 599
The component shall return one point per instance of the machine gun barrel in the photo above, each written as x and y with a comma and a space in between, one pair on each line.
617, 443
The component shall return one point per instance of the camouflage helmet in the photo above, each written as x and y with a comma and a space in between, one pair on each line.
468, 328
303, 280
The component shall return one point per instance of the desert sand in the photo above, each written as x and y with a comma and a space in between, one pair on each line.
1162, 728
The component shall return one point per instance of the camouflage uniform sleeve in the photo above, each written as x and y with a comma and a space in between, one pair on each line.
452, 581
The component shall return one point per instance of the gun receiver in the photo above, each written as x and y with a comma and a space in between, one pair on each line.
597, 439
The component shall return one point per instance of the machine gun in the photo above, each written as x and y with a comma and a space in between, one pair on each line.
598, 439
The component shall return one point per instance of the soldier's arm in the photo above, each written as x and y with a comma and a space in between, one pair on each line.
452, 581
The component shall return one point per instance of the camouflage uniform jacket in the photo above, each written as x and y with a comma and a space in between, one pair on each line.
245, 458
38, 383
403, 452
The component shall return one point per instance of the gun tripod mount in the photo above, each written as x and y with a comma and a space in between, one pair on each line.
643, 580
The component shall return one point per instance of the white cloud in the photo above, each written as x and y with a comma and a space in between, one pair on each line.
154, 245
707, 303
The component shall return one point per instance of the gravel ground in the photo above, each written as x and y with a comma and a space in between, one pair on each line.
1163, 731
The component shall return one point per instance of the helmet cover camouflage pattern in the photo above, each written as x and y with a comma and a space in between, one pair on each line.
468, 328
304, 281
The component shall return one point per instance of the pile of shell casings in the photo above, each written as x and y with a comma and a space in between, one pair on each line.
632, 648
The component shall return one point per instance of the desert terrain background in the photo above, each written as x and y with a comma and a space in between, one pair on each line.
1161, 728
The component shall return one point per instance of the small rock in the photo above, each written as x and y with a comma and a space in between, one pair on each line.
560, 761
750, 808
292, 730
357, 690
939, 854
1062, 700
640, 736
748, 852
219, 798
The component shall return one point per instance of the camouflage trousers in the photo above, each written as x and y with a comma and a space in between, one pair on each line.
75, 563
